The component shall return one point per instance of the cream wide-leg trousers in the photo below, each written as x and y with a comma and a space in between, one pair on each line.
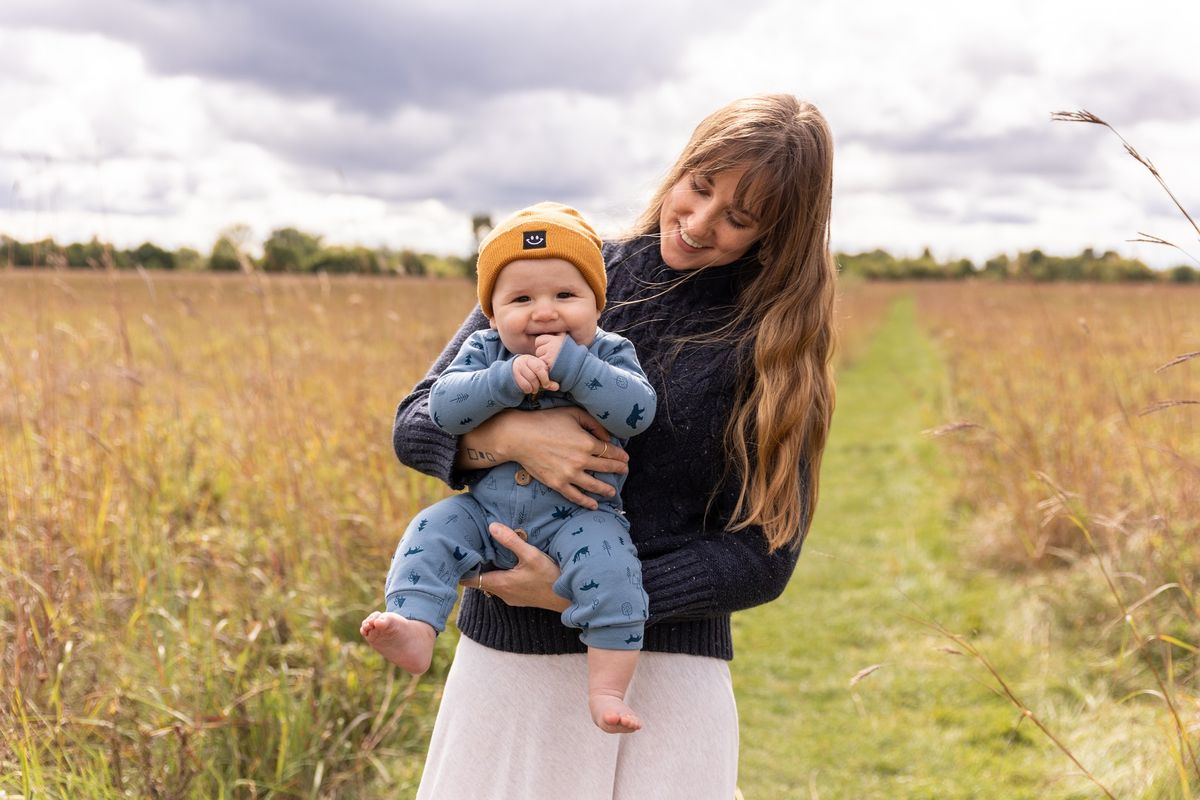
516, 727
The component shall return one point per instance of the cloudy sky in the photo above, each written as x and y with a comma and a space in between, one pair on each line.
389, 123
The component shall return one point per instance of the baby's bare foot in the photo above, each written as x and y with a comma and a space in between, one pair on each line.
611, 714
407, 643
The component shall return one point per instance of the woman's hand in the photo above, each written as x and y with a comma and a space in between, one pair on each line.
529, 583
558, 446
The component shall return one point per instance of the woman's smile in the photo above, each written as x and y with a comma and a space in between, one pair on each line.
689, 241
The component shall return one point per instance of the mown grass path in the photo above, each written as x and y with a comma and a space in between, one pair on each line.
882, 558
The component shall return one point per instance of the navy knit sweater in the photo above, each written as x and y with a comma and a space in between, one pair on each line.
695, 572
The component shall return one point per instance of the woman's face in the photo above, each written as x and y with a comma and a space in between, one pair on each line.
702, 225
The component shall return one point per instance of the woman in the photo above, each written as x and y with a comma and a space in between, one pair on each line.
726, 288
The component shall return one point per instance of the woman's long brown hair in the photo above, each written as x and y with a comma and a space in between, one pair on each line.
777, 432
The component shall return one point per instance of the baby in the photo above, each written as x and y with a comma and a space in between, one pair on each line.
542, 287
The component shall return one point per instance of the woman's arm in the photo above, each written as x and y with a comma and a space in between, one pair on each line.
717, 574
418, 442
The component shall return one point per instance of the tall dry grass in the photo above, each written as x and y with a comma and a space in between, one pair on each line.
1064, 382
1075, 428
198, 503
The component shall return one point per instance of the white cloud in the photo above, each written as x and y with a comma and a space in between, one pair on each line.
940, 111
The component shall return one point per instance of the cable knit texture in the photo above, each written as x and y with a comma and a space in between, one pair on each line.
695, 573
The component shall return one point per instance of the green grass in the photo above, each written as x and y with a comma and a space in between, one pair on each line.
882, 560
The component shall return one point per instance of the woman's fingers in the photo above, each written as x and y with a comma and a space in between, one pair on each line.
614, 459
531, 581
590, 483
508, 537
577, 481
591, 425
577, 497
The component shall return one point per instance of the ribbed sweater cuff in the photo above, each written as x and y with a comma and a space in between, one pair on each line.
678, 585
429, 449
491, 622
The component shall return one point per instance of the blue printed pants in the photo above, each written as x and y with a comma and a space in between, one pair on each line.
601, 574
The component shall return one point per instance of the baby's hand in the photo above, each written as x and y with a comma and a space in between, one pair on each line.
548, 346
532, 375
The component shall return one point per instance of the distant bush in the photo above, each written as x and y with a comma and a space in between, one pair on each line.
346, 259
1184, 274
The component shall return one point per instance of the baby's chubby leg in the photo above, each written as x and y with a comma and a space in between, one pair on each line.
601, 576
440, 544
407, 643
609, 673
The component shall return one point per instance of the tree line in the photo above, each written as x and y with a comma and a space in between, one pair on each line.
295, 251
285, 250
1032, 265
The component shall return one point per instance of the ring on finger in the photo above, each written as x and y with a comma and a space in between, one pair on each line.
479, 586
602, 452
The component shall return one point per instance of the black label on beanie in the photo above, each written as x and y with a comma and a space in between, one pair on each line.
534, 240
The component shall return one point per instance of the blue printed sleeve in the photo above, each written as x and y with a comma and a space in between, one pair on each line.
476, 386
607, 380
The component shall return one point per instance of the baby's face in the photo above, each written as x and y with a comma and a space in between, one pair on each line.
546, 295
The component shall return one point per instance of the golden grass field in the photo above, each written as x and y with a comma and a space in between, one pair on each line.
1074, 427
199, 502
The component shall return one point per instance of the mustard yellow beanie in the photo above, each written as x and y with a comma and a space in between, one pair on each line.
545, 230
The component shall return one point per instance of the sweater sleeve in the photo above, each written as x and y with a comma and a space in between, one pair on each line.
717, 572
476, 386
611, 386
418, 442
